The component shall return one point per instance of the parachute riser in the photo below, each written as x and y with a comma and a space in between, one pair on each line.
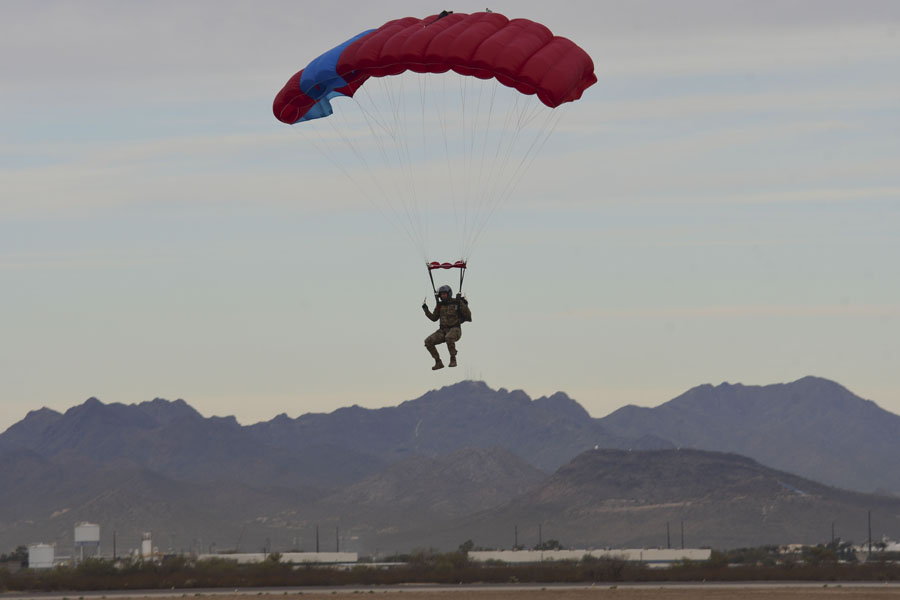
431, 266
433, 289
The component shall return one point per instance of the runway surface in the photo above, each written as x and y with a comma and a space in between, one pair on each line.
679, 591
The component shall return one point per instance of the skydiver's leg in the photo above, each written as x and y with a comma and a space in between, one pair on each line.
430, 342
451, 338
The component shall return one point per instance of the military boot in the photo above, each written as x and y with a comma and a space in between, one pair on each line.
451, 347
437, 358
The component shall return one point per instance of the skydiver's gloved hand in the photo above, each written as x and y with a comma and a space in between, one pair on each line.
460, 297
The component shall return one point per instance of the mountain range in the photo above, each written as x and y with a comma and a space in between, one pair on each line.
813, 427
736, 465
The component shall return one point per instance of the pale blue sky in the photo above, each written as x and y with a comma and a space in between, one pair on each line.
724, 205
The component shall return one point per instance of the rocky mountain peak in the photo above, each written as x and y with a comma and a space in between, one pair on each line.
166, 412
562, 405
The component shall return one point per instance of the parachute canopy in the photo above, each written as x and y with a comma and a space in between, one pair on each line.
439, 147
518, 53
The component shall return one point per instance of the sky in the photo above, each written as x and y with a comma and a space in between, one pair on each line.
723, 205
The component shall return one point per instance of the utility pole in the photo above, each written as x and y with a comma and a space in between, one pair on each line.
337, 539
317, 539
682, 534
516, 544
668, 539
870, 536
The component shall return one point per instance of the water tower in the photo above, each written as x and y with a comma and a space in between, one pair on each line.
146, 545
87, 540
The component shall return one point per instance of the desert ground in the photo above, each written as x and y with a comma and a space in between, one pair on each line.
642, 593
846, 592
756, 591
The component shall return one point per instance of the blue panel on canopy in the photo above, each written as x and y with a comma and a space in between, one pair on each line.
320, 79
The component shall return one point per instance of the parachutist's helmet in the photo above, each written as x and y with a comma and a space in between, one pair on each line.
445, 288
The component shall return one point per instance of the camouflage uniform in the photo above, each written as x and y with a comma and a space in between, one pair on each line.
451, 314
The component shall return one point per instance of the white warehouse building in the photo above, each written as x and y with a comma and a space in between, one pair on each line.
653, 557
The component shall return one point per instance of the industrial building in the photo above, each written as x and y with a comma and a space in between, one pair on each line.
297, 558
652, 557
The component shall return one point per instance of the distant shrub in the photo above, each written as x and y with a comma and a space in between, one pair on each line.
429, 566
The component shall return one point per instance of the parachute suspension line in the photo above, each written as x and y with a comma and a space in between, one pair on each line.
472, 154
506, 144
510, 182
470, 118
462, 275
422, 82
463, 86
547, 129
549, 126
530, 111
431, 277
401, 148
407, 224
491, 137
482, 183
380, 130
544, 132
384, 128
405, 137
486, 178
319, 141
442, 120
474, 131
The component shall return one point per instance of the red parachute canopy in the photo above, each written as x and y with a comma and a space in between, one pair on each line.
518, 53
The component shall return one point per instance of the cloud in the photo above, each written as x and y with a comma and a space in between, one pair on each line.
781, 101
737, 311
75, 176
778, 49
212, 50
79, 260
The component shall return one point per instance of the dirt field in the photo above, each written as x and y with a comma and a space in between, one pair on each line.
835, 592
759, 591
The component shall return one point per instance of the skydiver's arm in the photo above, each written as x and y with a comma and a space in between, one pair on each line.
434, 316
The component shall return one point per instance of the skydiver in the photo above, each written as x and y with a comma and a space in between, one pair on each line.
452, 313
